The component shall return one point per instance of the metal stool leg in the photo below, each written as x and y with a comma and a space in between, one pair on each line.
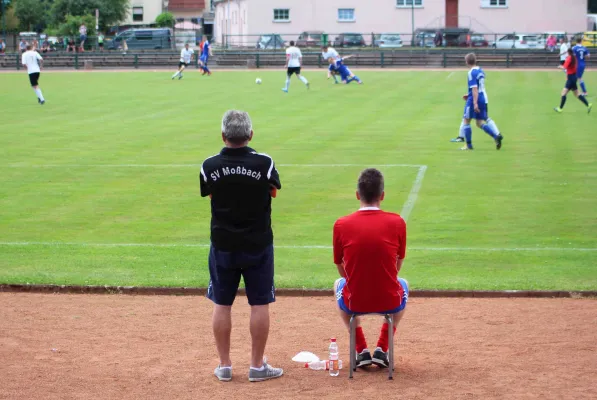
353, 345
390, 320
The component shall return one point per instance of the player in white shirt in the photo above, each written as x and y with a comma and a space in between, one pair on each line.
564, 50
186, 55
294, 61
328, 52
33, 61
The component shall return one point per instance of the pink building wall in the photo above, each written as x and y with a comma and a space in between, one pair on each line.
254, 17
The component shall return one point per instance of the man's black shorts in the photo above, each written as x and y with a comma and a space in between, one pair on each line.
571, 82
34, 78
180, 64
257, 270
293, 70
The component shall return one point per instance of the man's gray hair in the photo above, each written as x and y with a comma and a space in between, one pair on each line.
236, 126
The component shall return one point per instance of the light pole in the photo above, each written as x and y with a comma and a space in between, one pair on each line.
412, 15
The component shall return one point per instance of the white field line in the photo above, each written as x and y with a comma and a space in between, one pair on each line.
23, 166
450, 75
414, 193
322, 247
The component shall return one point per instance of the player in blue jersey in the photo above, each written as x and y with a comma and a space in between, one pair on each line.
581, 54
205, 53
339, 68
476, 105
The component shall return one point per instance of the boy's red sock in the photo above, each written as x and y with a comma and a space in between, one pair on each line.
360, 340
383, 337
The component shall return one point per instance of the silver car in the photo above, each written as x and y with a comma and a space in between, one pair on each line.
517, 41
388, 41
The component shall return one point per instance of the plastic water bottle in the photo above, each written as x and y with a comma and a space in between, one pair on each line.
334, 364
321, 365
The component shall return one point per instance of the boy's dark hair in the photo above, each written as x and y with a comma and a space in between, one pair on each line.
471, 59
29, 47
579, 40
292, 42
370, 185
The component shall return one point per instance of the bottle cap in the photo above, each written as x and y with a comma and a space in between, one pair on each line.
306, 365
333, 339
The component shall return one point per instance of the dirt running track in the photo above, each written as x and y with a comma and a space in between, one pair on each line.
158, 347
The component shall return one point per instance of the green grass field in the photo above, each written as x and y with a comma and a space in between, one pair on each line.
100, 185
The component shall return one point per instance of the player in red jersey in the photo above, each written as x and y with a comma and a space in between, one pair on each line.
570, 66
369, 248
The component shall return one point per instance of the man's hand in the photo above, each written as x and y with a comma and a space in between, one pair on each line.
465, 97
477, 110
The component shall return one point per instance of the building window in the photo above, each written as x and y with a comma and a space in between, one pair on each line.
281, 15
494, 3
346, 14
138, 14
409, 3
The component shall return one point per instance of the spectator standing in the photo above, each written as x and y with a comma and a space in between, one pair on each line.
23, 46
100, 41
369, 248
439, 39
82, 36
241, 184
564, 50
2, 46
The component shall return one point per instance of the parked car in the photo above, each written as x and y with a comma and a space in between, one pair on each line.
425, 37
159, 38
271, 42
589, 39
516, 41
451, 36
472, 40
388, 40
349, 40
310, 39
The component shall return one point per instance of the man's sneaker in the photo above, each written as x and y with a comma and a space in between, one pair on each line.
265, 374
223, 373
557, 109
42, 102
308, 86
498, 141
380, 358
285, 90
466, 148
180, 77
457, 140
38, 101
590, 108
364, 359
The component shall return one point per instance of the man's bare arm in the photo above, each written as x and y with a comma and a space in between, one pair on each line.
341, 270
399, 262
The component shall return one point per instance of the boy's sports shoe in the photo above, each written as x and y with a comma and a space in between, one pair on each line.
557, 109
457, 140
380, 358
265, 374
223, 373
364, 359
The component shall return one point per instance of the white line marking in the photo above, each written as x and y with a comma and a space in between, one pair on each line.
323, 247
194, 165
414, 193
450, 75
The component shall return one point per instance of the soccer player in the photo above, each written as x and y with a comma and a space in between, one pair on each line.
326, 53
476, 105
570, 66
34, 62
205, 53
581, 54
461, 137
186, 55
294, 61
369, 249
345, 74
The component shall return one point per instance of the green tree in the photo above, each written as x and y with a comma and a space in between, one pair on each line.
30, 13
111, 12
165, 20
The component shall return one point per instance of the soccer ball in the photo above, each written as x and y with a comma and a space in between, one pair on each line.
258, 81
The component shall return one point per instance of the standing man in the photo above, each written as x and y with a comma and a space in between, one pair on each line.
23, 46
581, 54
205, 53
241, 184
564, 50
83, 36
294, 61
328, 52
369, 248
33, 61
476, 105
186, 55
100, 41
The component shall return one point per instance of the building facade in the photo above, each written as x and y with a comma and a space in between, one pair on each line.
143, 12
242, 21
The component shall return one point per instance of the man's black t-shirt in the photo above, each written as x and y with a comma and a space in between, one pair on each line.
239, 182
